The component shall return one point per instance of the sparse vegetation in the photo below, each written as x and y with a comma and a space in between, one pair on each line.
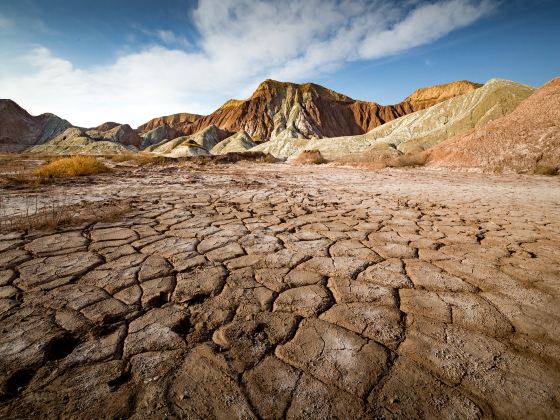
54, 215
16, 171
310, 157
233, 157
71, 166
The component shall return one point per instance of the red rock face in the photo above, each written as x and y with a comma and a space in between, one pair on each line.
309, 110
522, 141
19, 129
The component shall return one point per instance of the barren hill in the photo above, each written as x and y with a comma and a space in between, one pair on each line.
19, 129
522, 141
290, 110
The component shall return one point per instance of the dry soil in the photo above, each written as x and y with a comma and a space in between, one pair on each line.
274, 291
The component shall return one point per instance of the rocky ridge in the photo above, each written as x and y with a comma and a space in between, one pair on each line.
275, 110
290, 110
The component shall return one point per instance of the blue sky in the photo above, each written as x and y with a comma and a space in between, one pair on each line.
96, 60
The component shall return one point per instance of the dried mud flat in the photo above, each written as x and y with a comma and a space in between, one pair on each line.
273, 291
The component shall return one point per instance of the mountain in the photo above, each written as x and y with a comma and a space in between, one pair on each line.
164, 128
193, 145
290, 110
171, 121
158, 134
19, 129
275, 110
77, 141
522, 141
419, 130
120, 133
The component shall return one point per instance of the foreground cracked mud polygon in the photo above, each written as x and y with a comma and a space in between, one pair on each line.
270, 291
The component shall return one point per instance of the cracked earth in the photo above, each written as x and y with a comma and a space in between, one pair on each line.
273, 291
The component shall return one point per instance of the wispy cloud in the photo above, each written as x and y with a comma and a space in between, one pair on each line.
241, 42
171, 39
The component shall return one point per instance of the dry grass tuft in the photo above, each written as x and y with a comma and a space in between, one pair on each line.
71, 166
309, 157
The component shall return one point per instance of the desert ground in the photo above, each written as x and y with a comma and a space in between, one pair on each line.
279, 291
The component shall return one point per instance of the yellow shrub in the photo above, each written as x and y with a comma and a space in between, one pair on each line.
71, 166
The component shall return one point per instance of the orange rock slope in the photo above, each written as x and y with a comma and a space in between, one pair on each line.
526, 140
279, 109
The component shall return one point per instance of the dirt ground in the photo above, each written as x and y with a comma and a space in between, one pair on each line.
278, 291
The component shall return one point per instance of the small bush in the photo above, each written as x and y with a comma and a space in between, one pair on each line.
310, 157
546, 170
71, 166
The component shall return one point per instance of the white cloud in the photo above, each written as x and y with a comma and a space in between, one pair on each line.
241, 43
